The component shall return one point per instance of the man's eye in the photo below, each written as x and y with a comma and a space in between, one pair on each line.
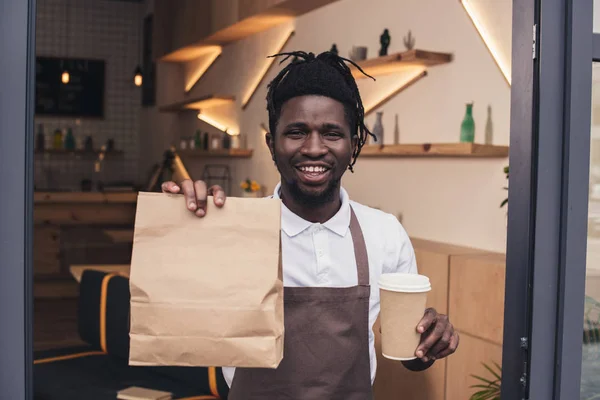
295, 133
333, 135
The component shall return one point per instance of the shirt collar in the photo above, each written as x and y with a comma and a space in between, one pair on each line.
293, 225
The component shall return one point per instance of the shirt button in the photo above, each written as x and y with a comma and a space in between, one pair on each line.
320, 253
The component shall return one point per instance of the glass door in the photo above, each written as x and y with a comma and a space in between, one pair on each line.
552, 307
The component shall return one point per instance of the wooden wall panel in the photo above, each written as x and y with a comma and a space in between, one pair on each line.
477, 295
69, 214
46, 250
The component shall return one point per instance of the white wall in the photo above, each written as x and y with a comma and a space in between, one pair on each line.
450, 200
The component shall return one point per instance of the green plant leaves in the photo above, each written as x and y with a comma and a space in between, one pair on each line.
489, 388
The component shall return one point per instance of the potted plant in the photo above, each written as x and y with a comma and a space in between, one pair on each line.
250, 188
488, 388
505, 201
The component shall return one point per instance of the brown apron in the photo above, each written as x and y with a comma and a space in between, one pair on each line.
326, 344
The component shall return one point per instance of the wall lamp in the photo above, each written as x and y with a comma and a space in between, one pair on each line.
489, 42
265, 70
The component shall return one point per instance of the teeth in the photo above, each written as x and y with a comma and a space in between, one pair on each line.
313, 169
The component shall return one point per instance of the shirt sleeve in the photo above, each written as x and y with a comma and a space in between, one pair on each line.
400, 251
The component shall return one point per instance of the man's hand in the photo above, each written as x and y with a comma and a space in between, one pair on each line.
195, 194
438, 338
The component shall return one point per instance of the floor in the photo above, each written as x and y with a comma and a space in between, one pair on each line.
55, 324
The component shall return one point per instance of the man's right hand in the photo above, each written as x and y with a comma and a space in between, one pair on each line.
195, 194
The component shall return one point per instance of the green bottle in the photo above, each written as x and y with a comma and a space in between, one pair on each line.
69, 140
467, 128
197, 140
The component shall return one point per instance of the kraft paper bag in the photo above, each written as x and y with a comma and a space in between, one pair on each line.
206, 291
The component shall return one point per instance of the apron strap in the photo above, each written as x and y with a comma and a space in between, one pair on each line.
360, 250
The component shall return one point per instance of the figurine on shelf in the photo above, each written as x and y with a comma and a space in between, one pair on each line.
384, 40
334, 49
409, 41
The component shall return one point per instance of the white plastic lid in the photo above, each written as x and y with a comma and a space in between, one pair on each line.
403, 282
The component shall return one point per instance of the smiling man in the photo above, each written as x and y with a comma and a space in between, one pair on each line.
334, 249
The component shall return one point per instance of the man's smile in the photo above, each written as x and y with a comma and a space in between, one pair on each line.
313, 173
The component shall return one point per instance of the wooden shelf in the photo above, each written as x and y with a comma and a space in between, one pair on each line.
77, 152
198, 103
435, 150
232, 22
400, 61
233, 153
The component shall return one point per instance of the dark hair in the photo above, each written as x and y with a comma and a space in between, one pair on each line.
325, 74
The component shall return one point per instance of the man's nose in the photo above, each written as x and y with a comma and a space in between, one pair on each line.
314, 146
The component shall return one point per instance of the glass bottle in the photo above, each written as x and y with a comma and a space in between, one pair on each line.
467, 128
396, 131
69, 140
489, 128
57, 141
40, 141
197, 140
378, 129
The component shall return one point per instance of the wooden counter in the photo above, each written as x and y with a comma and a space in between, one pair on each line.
84, 208
78, 228
468, 286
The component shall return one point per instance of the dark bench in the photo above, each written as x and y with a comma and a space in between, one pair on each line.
98, 370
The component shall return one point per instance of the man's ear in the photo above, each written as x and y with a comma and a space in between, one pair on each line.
269, 142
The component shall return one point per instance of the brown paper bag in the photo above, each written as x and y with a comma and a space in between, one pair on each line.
206, 291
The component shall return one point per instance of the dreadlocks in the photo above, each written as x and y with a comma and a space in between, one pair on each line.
326, 74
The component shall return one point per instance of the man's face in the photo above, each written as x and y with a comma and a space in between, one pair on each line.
312, 147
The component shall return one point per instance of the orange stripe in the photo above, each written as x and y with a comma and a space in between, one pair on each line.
103, 292
199, 398
68, 357
212, 381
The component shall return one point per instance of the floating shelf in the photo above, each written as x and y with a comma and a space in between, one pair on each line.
198, 103
252, 17
435, 150
78, 152
233, 153
400, 61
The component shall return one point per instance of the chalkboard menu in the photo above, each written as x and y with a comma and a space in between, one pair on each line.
82, 96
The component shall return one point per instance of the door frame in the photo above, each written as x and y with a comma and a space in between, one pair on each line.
547, 218
17, 79
548, 198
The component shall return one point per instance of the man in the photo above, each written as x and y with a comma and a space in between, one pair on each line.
334, 249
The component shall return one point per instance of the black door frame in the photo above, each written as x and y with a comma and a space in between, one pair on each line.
548, 198
17, 66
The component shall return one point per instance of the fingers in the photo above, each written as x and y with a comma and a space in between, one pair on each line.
170, 187
431, 337
218, 195
201, 195
195, 194
441, 344
427, 321
189, 194
454, 341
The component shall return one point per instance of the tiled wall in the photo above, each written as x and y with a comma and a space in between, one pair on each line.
110, 30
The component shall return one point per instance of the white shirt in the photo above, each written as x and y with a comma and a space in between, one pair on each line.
322, 255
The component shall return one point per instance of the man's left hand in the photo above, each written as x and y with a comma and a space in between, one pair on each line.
438, 338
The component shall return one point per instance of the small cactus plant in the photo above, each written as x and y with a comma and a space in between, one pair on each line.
409, 41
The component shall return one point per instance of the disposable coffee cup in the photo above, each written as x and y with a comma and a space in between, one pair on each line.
403, 298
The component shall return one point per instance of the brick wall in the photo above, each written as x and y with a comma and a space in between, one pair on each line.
100, 29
